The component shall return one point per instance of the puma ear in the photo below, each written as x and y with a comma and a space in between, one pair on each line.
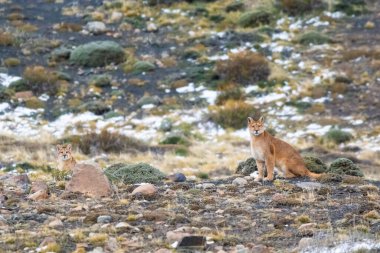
261, 119
250, 120
58, 147
68, 147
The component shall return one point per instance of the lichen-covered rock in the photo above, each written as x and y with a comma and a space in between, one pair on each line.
247, 167
344, 166
97, 54
143, 66
314, 164
134, 173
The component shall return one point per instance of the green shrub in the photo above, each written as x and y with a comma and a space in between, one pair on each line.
101, 81
351, 7
230, 94
202, 175
97, 54
260, 16
337, 136
134, 173
300, 7
313, 38
235, 6
11, 62
245, 68
34, 103
143, 66
300, 105
246, 167
175, 138
105, 141
97, 107
344, 166
314, 164
5, 94
233, 114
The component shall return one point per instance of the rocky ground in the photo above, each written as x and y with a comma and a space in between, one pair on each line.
171, 83
233, 214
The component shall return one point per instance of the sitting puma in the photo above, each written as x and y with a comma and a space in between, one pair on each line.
86, 178
269, 151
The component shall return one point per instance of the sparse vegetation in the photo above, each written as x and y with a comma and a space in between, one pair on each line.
313, 37
260, 16
105, 141
337, 136
300, 7
233, 114
39, 80
245, 68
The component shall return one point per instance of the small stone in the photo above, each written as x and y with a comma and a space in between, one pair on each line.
152, 27
116, 16
259, 249
239, 181
179, 177
304, 243
39, 191
96, 27
97, 250
369, 25
24, 95
146, 190
175, 236
192, 242
124, 226
57, 223
104, 219
205, 186
163, 250
309, 185
307, 226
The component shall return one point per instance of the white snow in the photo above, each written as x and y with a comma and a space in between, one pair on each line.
6, 80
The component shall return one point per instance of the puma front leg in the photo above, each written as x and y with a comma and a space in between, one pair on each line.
269, 164
260, 169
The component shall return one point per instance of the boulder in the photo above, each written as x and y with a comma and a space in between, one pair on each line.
18, 183
145, 190
97, 54
39, 191
89, 180
246, 167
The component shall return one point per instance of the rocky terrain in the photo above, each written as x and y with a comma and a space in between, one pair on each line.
171, 84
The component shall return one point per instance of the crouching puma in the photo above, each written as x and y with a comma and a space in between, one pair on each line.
269, 152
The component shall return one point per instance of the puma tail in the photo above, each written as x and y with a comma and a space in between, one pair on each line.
313, 175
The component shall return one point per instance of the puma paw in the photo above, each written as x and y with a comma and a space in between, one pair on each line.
268, 179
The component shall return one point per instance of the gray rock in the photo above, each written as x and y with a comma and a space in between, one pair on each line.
205, 186
104, 219
96, 27
309, 185
97, 250
239, 181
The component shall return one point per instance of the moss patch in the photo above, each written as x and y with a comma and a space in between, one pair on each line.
134, 173
314, 164
344, 166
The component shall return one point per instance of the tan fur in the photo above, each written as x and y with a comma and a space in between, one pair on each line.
66, 161
269, 152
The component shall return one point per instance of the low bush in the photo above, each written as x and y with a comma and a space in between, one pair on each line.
344, 166
314, 164
337, 136
300, 7
134, 173
246, 167
259, 16
313, 37
245, 68
233, 114
40, 80
105, 141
